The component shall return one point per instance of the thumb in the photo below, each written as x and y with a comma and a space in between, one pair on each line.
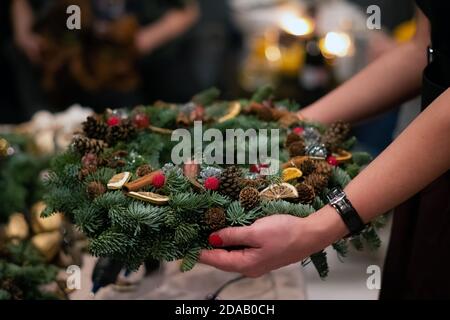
230, 237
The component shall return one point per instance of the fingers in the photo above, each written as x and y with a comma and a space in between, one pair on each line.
231, 261
230, 237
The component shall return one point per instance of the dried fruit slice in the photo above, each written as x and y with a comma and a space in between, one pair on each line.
290, 174
117, 182
295, 162
149, 197
279, 191
233, 111
343, 156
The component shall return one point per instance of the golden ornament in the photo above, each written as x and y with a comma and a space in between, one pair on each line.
48, 244
279, 191
149, 197
4, 145
39, 224
118, 181
290, 174
17, 227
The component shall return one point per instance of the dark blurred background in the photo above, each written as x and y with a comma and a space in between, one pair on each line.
131, 52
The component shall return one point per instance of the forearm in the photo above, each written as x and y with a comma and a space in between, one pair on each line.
170, 26
384, 84
419, 156
22, 17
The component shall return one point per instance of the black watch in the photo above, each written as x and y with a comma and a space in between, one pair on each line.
338, 200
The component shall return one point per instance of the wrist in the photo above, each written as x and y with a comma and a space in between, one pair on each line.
327, 226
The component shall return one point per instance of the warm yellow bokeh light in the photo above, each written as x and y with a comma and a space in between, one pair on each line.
337, 44
296, 25
273, 53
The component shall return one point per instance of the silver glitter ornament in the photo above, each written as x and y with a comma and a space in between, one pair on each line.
311, 136
317, 150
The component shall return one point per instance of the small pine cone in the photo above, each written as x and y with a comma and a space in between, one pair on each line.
335, 135
306, 194
317, 181
230, 179
265, 114
95, 189
84, 172
215, 218
297, 149
307, 167
257, 183
324, 169
144, 170
292, 138
85, 145
249, 198
123, 132
95, 129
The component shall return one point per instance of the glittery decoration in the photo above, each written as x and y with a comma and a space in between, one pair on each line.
311, 136
318, 151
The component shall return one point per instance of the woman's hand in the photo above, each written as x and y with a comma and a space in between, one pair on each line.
273, 242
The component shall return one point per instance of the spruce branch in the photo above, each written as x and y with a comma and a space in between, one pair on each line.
190, 259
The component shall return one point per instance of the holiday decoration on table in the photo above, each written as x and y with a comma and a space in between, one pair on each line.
117, 184
31, 247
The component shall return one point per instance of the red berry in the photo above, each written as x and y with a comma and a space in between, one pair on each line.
141, 120
256, 168
298, 130
113, 121
158, 180
215, 240
212, 183
332, 161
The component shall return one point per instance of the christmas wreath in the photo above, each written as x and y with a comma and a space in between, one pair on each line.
118, 186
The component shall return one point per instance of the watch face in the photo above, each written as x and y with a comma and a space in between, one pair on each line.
335, 195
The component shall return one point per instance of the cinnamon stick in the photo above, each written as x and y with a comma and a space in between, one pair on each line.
140, 183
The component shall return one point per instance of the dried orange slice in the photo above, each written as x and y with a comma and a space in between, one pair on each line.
290, 174
279, 191
343, 156
149, 197
117, 182
295, 162
233, 111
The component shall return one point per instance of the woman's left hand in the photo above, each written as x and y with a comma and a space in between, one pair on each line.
271, 243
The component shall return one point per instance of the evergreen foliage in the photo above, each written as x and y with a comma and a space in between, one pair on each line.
132, 231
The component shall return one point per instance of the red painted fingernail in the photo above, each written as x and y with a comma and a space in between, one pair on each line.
215, 240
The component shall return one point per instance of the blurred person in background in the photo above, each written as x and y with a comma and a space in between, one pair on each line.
156, 41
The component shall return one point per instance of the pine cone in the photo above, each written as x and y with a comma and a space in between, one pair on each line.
306, 193
307, 167
95, 129
323, 168
144, 170
84, 172
230, 182
85, 145
297, 149
249, 198
317, 181
215, 218
95, 189
265, 114
335, 135
292, 138
257, 183
123, 132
